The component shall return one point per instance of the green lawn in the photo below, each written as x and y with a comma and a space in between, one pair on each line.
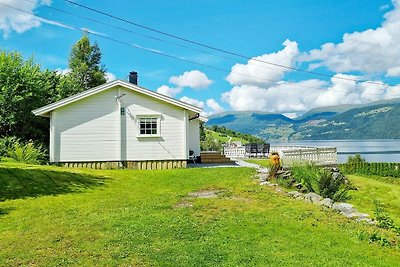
386, 190
124, 217
261, 162
224, 138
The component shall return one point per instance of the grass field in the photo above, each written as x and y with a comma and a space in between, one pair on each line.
386, 190
56, 217
224, 138
261, 162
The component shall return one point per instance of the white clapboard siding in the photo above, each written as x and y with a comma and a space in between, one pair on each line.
171, 143
194, 137
93, 129
87, 130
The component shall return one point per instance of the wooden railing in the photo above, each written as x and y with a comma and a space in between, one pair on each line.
235, 152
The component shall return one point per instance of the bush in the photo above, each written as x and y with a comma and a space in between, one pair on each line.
355, 159
372, 168
27, 153
210, 144
5, 144
321, 181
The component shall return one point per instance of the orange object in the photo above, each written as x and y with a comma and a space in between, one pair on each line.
275, 159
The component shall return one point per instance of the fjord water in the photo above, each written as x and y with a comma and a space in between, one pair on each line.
382, 150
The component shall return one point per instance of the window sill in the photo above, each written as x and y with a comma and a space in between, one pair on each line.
148, 135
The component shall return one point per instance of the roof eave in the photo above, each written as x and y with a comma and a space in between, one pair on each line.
45, 110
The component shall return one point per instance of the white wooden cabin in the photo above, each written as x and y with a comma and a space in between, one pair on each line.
120, 124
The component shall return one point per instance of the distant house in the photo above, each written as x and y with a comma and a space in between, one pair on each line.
120, 124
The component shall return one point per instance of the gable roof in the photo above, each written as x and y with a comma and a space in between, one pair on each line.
44, 111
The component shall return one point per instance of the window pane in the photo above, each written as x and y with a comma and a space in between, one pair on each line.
148, 126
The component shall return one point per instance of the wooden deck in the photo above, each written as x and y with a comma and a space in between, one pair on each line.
212, 157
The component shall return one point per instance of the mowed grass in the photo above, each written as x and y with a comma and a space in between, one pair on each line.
384, 189
224, 138
141, 218
261, 162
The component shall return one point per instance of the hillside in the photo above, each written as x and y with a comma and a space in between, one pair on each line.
374, 120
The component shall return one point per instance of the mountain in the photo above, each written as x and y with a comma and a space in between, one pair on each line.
374, 120
330, 111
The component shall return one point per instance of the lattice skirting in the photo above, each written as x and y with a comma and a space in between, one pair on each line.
137, 165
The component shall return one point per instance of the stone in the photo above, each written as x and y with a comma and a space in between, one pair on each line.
335, 169
264, 182
298, 185
312, 197
337, 176
361, 216
263, 170
203, 194
326, 202
303, 190
183, 205
295, 194
344, 208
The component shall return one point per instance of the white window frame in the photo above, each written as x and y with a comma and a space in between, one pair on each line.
151, 116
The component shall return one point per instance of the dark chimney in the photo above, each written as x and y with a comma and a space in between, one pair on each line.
133, 77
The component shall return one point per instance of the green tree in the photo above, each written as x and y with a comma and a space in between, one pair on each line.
86, 69
355, 159
24, 87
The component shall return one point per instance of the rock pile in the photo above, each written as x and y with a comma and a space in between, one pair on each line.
345, 209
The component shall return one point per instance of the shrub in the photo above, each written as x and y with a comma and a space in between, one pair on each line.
5, 144
321, 181
372, 168
355, 159
27, 153
307, 175
210, 144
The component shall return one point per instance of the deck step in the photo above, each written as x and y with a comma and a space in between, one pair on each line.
214, 157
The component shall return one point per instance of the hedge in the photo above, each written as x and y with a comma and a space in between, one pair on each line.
372, 168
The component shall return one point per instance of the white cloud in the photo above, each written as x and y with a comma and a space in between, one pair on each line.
14, 20
305, 95
194, 79
110, 76
244, 74
169, 91
63, 71
214, 106
372, 51
192, 101
211, 105
393, 72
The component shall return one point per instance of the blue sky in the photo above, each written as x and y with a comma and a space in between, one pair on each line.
357, 40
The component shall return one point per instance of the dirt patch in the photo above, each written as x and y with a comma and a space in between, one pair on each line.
204, 194
183, 204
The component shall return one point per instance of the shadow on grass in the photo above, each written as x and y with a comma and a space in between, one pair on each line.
4, 211
18, 183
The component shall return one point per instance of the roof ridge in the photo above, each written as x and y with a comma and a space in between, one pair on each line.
43, 111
